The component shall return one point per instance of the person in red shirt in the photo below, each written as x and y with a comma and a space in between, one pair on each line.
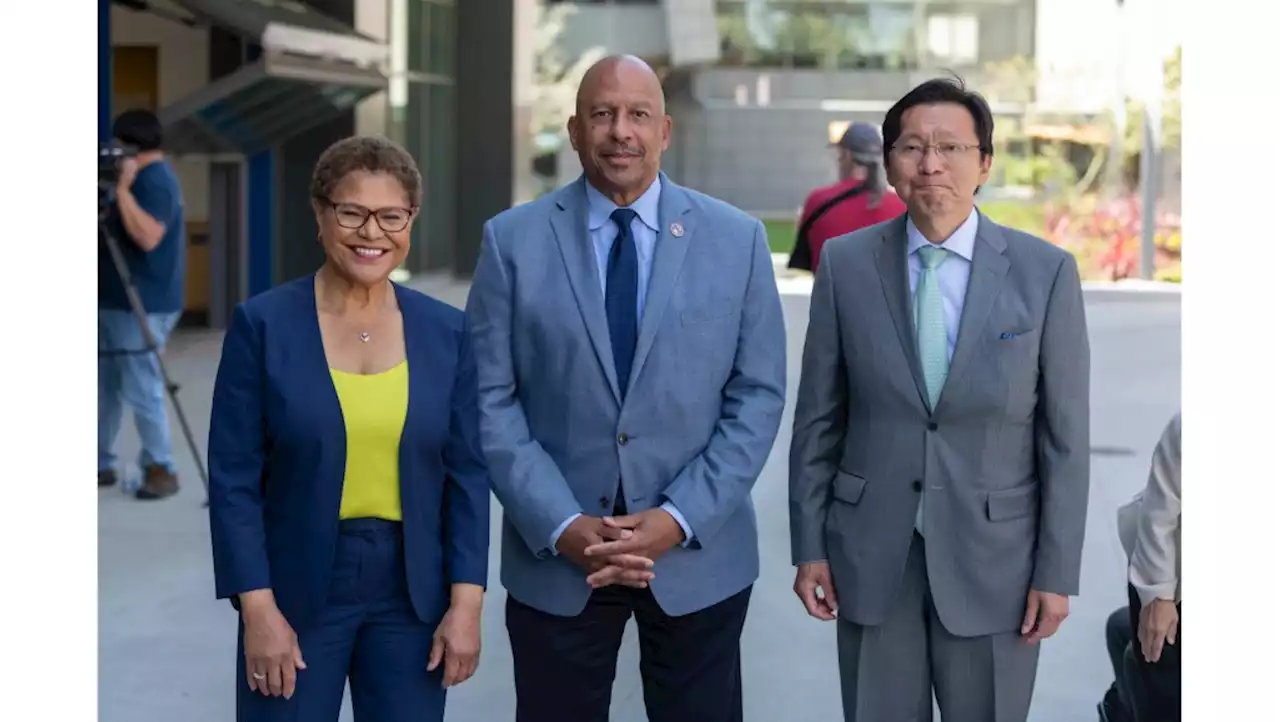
862, 197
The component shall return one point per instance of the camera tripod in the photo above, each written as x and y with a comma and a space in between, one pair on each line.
152, 345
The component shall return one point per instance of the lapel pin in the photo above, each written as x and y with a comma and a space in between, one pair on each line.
677, 230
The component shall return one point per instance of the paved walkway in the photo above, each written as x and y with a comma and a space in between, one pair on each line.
167, 647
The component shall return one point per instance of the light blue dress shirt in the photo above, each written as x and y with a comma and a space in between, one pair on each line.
953, 276
603, 232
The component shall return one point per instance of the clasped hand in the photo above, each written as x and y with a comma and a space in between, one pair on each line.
620, 550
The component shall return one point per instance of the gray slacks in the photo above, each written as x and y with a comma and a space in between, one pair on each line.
892, 672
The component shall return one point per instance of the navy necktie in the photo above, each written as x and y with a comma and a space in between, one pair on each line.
622, 282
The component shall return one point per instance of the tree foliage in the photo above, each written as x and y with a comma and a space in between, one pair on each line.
1170, 115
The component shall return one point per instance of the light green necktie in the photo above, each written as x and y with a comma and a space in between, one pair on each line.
931, 334
931, 326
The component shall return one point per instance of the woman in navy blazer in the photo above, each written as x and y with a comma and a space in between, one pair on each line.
349, 502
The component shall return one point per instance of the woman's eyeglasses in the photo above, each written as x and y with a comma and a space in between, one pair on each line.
354, 216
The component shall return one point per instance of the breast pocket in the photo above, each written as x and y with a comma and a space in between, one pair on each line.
1017, 353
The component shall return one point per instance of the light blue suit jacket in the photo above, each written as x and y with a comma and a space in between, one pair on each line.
703, 404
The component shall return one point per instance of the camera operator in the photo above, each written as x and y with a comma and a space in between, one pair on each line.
146, 220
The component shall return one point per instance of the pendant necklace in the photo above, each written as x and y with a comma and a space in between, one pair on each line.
364, 337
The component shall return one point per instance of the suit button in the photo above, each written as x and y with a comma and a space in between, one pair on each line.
933, 426
604, 502
916, 485
623, 439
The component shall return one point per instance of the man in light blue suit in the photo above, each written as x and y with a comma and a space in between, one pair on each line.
632, 366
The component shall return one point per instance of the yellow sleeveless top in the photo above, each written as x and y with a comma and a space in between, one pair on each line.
374, 407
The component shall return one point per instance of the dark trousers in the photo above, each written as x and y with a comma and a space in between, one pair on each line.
367, 633
1160, 683
1120, 700
690, 665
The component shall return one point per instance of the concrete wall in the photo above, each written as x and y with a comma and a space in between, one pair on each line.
636, 29
184, 68
676, 32
692, 35
764, 160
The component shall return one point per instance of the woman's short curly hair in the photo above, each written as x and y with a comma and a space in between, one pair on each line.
368, 153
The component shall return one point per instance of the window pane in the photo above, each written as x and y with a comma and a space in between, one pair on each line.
438, 171
830, 35
415, 141
429, 136
432, 31
953, 38
417, 35
440, 39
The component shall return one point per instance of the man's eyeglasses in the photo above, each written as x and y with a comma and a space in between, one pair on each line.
914, 151
354, 216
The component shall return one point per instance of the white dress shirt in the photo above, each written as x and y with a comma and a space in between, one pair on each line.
953, 275
1151, 523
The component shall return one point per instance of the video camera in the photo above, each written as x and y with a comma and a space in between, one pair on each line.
110, 154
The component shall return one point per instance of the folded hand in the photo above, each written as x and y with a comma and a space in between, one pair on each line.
630, 570
651, 534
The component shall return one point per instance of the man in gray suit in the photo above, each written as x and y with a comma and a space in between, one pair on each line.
940, 455
632, 366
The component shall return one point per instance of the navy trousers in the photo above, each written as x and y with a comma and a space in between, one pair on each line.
690, 666
367, 633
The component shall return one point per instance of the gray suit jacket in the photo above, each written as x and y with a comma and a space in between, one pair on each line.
1003, 462
702, 409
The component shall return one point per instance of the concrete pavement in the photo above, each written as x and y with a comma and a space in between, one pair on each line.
167, 647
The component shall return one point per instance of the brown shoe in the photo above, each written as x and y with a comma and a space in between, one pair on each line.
107, 477
158, 483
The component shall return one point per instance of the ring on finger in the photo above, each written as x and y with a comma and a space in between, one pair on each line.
259, 676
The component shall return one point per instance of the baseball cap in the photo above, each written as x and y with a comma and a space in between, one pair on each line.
862, 139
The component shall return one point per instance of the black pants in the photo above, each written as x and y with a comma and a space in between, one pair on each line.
690, 665
1120, 700
1159, 683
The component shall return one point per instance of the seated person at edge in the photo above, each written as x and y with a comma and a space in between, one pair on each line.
349, 501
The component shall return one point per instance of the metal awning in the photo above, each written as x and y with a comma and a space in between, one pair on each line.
312, 68
265, 103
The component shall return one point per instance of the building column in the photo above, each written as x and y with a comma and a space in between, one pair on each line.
104, 70
486, 122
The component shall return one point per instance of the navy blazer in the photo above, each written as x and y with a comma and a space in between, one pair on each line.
277, 455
